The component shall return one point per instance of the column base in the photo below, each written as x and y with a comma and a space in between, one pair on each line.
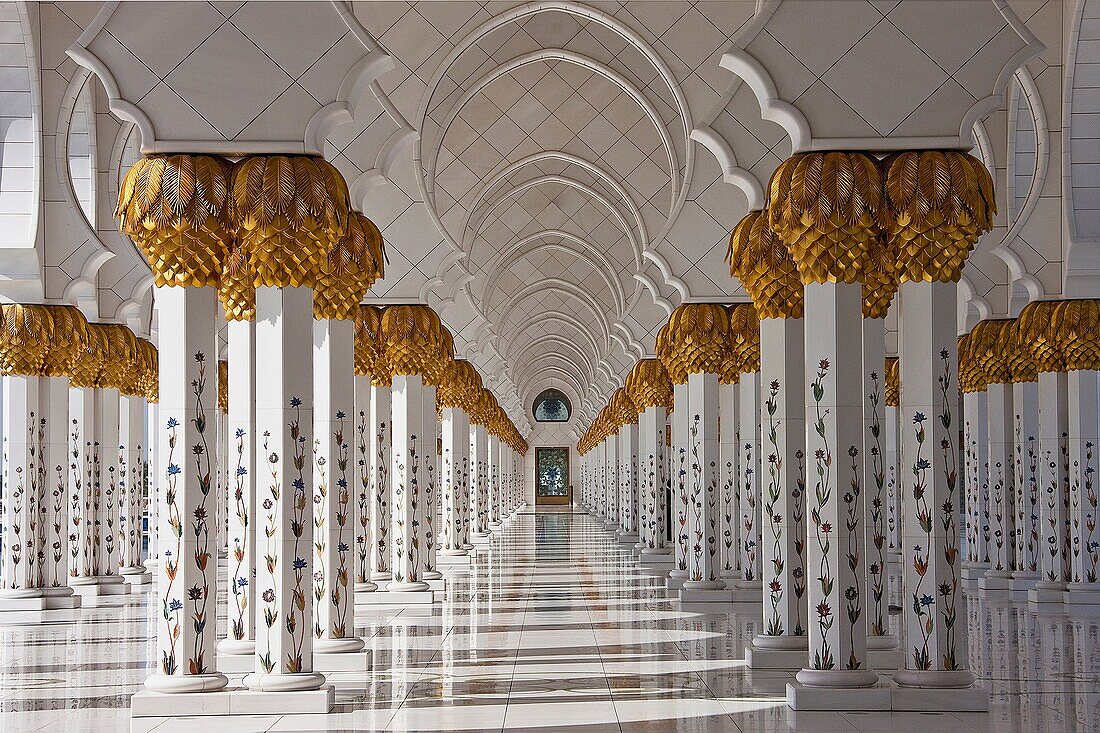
407, 586
1047, 591
95, 588
430, 575
674, 581
995, 581
447, 555
480, 540
611, 525
242, 648
884, 653
719, 595
777, 652
399, 597
136, 577
160, 685
61, 599
1021, 584
934, 679
657, 556
801, 696
149, 704
284, 682
627, 538
972, 699
329, 646
17, 600
1082, 594
451, 563
972, 571
366, 586
837, 679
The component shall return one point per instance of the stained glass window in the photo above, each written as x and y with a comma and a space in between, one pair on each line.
552, 406
552, 465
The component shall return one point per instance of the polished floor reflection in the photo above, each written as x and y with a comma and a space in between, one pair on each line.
554, 629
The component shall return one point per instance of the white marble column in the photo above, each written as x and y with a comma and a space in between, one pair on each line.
431, 485
893, 479
976, 462
241, 600
381, 463
875, 496
108, 514
54, 404
456, 482
611, 482
704, 569
749, 465
628, 483
131, 484
364, 540
187, 573
1053, 488
479, 493
783, 642
932, 619
334, 480
23, 577
652, 483
1084, 412
1026, 493
492, 470
999, 425
409, 474
284, 491
679, 465
729, 479
835, 554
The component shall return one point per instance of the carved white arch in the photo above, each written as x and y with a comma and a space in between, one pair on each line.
560, 287
595, 259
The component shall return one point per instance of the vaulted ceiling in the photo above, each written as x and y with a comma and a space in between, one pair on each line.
552, 176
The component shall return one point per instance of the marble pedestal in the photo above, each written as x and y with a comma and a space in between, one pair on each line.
995, 582
1046, 591
777, 652
234, 701
626, 539
137, 577
37, 600
721, 595
95, 589
848, 699
1082, 594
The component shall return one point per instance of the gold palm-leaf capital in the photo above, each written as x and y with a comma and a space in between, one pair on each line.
826, 207
880, 278
460, 386
938, 202
696, 340
223, 387
990, 340
762, 262
68, 336
121, 358
290, 211
1037, 323
892, 391
24, 339
743, 356
1078, 335
176, 210
648, 385
370, 347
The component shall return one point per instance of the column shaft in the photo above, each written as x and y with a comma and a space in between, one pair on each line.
749, 466
334, 477
131, 466
935, 629
409, 475
628, 482
1084, 538
975, 415
680, 460
364, 539
431, 483
1053, 486
241, 596
54, 401
783, 424
729, 479
187, 574
24, 495
652, 482
479, 500
1001, 516
456, 481
284, 424
381, 463
1025, 448
704, 570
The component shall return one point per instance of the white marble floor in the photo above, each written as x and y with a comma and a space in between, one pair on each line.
554, 629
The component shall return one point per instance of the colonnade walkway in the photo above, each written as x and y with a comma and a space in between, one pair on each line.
553, 628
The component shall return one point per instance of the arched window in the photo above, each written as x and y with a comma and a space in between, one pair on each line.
552, 406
